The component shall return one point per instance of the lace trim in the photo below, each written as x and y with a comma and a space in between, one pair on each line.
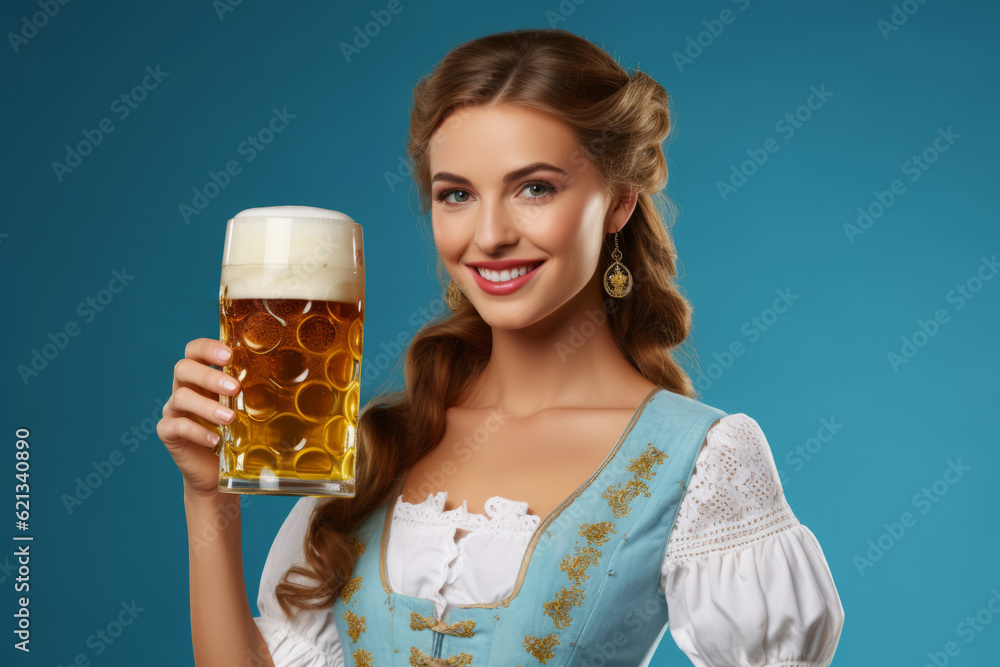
502, 515
734, 498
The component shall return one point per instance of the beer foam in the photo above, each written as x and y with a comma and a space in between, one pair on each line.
294, 282
293, 252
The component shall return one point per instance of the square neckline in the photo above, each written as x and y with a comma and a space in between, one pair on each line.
539, 530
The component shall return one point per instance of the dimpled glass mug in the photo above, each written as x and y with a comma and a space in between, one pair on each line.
291, 308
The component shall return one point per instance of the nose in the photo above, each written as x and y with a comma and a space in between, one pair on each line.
495, 228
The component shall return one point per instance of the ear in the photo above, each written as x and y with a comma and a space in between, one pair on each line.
622, 211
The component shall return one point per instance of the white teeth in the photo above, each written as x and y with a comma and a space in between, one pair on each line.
505, 275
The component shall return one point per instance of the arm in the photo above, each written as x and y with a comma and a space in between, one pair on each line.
746, 583
223, 631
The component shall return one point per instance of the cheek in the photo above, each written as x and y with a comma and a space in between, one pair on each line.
575, 230
446, 241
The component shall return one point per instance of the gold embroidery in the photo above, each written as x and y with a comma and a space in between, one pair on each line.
597, 533
358, 546
420, 659
458, 629
418, 622
541, 647
350, 588
559, 608
574, 566
642, 465
355, 625
620, 498
362, 658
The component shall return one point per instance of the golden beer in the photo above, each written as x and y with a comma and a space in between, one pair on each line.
291, 307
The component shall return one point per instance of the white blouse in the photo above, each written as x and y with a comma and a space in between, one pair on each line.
746, 584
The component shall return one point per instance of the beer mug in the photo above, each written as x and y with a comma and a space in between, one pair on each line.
291, 308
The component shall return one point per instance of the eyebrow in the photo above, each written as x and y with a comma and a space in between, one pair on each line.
512, 176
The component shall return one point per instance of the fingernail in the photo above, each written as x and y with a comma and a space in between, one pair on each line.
224, 414
223, 355
213, 438
229, 384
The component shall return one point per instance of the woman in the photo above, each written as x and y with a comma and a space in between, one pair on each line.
613, 501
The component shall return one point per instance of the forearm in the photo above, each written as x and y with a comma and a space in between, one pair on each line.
223, 631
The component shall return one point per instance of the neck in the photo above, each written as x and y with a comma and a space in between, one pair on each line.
567, 360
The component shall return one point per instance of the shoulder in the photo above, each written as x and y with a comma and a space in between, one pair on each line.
674, 410
736, 461
734, 497
297, 521
740, 438
287, 548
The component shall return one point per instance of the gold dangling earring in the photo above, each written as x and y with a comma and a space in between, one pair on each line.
454, 295
617, 279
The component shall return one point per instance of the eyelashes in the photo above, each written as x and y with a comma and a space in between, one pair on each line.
443, 194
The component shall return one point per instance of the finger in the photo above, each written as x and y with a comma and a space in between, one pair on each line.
170, 412
207, 380
208, 351
177, 431
189, 402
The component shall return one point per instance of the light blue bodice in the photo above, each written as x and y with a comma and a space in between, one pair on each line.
587, 592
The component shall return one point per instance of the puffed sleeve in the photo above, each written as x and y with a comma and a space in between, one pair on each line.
746, 584
309, 639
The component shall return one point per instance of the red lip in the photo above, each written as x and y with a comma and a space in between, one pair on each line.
506, 286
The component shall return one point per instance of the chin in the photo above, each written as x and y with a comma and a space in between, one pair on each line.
511, 318
521, 318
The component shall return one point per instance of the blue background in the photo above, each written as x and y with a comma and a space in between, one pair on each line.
825, 357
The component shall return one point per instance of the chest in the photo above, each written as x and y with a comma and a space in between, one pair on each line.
589, 573
539, 460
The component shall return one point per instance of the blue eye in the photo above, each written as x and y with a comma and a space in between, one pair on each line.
538, 189
446, 193
548, 190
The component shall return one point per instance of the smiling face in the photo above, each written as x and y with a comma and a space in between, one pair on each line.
509, 182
